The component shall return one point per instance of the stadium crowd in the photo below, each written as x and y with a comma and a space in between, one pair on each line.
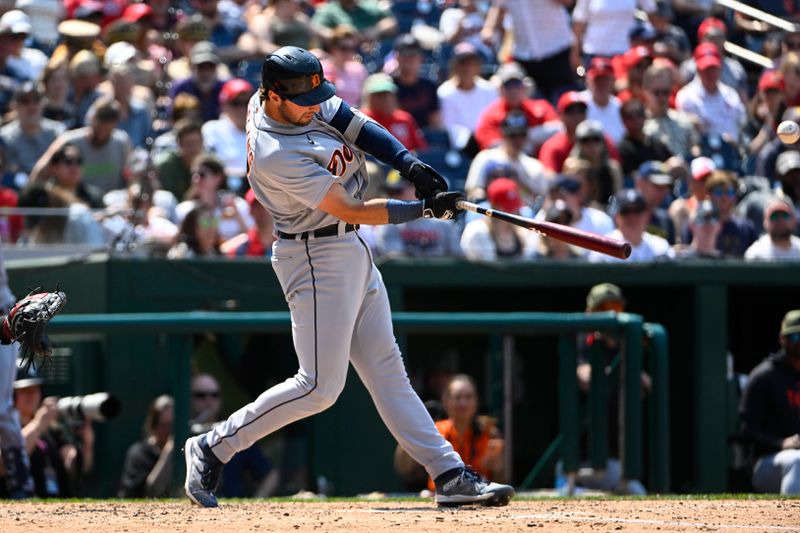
126, 120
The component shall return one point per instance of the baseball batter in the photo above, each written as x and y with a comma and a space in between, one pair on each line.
306, 166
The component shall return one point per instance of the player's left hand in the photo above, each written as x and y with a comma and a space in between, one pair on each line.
426, 180
443, 205
27, 321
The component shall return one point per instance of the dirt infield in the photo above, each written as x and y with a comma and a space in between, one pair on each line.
374, 517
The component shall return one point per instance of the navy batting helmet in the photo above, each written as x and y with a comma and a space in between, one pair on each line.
296, 74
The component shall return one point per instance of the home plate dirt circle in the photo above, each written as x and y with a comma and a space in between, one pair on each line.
743, 515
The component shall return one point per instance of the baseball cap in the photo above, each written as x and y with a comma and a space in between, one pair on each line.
465, 50
600, 66
78, 29
702, 167
121, 30
627, 199
503, 193
27, 377
407, 44
509, 72
791, 323
636, 55
710, 24
642, 31
602, 293
655, 172
203, 52
778, 204
88, 9
787, 161
136, 12
706, 55
589, 129
233, 88
567, 183
570, 98
771, 79
514, 122
84, 62
193, 28
15, 21
119, 53
379, 83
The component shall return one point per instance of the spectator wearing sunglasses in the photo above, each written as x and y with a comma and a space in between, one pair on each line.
777, 243
654, 181
574, 189
704, 226
605, 173
770, 414
632, 217
670, 126
737, 233
225, 137
250, 473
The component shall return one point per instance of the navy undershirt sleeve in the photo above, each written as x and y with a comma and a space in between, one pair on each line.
375, 140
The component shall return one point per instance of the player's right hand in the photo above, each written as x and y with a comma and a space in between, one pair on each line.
426, 180
443, 205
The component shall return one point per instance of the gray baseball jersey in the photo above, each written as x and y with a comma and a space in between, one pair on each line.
339, 305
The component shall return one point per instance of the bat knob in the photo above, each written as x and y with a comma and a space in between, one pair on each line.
626, 250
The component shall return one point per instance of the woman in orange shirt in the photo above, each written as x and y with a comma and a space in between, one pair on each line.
475, 438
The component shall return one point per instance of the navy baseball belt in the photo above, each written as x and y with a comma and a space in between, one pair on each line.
325, 231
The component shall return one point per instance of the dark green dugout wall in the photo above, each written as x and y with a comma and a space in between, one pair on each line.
707, 308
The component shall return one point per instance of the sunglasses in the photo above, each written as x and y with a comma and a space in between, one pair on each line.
72, 161
779, 215
660, 92
720, 192
591, 140
575, 109
516, 135
239, 103
202, 174
632, 116
513, 84
200, 395
629, 212
793, 338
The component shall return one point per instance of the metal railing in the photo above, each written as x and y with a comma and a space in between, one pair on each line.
178, 328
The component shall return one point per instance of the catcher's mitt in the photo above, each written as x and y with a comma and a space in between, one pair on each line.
27, 321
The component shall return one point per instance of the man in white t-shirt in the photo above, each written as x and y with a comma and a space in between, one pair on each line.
632, 217
601, 103
778, 243
225, 136
717, 106
529, 173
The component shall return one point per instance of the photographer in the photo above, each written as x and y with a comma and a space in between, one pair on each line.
61, 449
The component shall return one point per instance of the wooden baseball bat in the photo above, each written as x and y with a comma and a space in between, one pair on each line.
568, 234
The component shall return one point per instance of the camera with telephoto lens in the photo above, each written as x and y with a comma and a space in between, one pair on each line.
98, 407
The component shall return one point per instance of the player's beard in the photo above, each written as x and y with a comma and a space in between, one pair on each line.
297, 120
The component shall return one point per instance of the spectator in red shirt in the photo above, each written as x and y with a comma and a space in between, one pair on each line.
380, 104
515, 87
555, 150
636, 61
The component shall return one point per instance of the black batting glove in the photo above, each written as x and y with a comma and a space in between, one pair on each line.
442, 205
426, 180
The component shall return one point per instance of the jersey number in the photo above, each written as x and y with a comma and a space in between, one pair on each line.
339, 160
